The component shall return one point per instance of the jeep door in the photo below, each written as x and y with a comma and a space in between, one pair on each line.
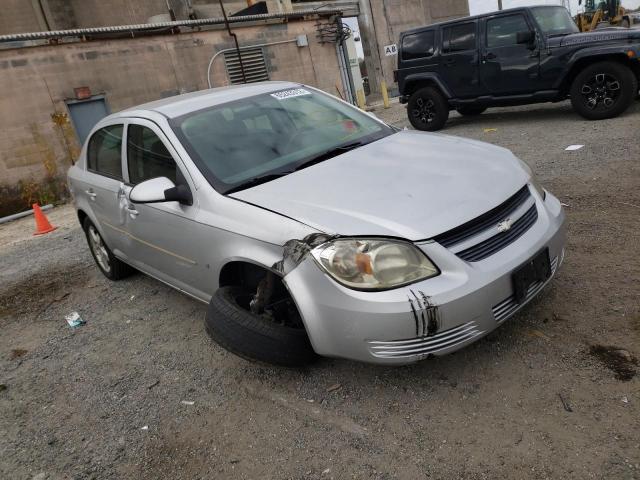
459, 59
506, 67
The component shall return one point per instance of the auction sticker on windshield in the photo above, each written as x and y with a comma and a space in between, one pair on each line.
296, 92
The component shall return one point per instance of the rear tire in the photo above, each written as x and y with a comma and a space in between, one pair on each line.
470, 110
603, 90
107, 262
428, 109
253, 337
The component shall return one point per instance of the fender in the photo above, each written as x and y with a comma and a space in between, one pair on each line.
598, 52
426, 77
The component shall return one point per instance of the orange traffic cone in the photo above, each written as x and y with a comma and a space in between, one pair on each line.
42, 224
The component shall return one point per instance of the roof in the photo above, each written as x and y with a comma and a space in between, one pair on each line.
476, 17
182, 104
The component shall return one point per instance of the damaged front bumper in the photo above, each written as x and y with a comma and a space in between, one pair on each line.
433, 317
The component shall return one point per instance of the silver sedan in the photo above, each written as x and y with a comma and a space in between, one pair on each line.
312, 228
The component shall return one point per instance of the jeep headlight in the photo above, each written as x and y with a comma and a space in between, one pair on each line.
374, 264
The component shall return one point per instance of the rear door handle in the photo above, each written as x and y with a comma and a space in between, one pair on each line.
449, 61
490, 56
91, 193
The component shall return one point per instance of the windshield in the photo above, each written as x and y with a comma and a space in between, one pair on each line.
554, 20
260, 137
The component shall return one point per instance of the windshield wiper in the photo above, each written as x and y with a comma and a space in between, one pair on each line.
252, 182
327, 154
332, 152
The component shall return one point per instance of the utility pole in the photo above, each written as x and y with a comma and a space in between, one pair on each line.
499, 4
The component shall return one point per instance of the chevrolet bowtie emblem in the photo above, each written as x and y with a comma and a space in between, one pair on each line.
505, 225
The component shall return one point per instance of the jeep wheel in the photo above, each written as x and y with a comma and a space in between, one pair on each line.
428, 109
603, 90
276, 336
469, 110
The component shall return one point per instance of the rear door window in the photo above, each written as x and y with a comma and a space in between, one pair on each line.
418, 45
503, 31
104, 152
147, 157
459, 38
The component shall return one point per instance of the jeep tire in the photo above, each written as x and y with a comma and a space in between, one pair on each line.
603, 90
428, 109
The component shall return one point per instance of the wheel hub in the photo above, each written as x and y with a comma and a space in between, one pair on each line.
601, 91
424, 110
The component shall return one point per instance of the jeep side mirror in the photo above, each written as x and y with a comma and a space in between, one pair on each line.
527, 38
158, 190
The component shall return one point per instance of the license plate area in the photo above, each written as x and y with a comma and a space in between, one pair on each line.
538, 269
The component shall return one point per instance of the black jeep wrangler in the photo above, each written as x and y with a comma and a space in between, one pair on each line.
516, 57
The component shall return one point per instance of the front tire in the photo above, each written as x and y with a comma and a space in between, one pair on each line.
428, 109
231, 324
603, 90
107, 262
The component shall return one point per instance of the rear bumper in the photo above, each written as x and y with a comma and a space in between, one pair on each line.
468, 300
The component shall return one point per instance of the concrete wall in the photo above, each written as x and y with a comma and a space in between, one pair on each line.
37, 139
382, 21
18, 16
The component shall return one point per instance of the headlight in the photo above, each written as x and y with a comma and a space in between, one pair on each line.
535, 184
371, 264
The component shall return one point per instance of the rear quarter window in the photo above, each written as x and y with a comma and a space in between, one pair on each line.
459, 38
104, 152
418, 45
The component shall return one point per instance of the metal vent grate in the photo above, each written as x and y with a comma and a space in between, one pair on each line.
253, 61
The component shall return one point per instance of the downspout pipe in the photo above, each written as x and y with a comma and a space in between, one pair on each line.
235, 39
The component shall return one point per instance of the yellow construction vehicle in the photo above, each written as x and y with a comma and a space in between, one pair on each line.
609, 13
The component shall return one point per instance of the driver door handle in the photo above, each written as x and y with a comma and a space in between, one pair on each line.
489, 56
449, 61
131, 210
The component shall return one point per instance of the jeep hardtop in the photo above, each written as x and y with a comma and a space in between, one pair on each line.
515, 57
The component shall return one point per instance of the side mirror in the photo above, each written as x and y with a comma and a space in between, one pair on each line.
527, 38
158, 190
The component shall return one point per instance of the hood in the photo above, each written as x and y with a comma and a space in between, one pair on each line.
613, 34
410, 184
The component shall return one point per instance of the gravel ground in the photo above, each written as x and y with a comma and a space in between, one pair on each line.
141, 392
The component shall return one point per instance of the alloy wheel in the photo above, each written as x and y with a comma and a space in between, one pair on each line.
424, 110
601, 91
99, 249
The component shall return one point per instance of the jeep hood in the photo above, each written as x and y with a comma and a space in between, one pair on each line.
596, 37
410, 184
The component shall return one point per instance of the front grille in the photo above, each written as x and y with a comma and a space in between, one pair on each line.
487, 224
424, 345
485, 221
501, 240
508, 306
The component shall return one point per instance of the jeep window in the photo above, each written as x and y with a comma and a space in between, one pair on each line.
104, 152
239, 144
418, 45
503, 31
554, 21
459, 38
